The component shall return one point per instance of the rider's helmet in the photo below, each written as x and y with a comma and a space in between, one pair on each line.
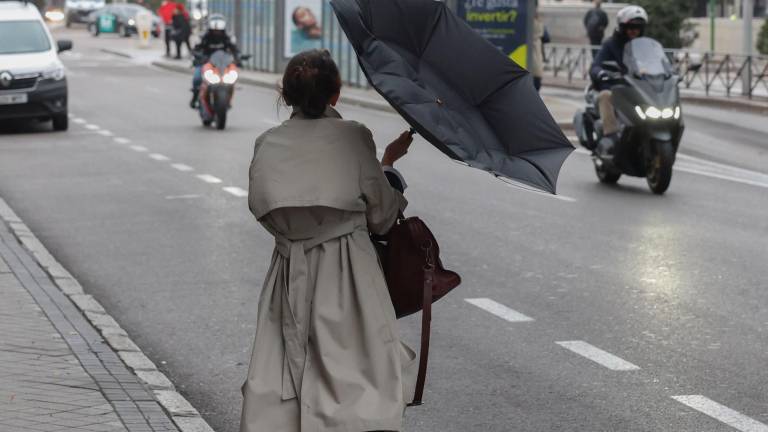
217, 23
632, 17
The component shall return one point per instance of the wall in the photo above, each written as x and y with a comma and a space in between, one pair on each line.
565, 21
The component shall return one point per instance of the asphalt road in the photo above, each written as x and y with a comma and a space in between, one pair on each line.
644, 313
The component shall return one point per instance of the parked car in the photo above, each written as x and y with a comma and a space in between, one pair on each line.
124, 15
32, 78
77, 11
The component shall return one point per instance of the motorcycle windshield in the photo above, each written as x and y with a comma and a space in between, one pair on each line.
221, 59
645, 57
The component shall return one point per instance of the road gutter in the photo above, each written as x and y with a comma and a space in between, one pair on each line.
183, 414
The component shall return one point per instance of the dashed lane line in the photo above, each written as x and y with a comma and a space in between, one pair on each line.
121, 140
79, 120
181, 167
159, 157
499, 310
598, 356
105, 133
92, 127
139, 148
236, 191
722, 413
208, 178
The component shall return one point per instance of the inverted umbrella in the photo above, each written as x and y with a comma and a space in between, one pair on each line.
455, 89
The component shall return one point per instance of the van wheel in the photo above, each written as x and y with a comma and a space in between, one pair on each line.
60, 122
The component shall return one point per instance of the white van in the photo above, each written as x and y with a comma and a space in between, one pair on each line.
32, 81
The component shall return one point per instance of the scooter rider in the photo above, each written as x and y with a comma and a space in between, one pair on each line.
214, 39
632, 21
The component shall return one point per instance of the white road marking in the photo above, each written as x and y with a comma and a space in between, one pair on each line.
188, 196
598, 356
122, 140
91, 127
159, 157
521, 186
694, 165
70, 115
208, 178
272, 122
79, 120
722, 413
236, 191
138, 148
498, 309
105, 132
182, 167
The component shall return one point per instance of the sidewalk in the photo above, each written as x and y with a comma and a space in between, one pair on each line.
57, 372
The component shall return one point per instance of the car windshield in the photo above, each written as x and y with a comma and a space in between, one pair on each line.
19, 37
645, 56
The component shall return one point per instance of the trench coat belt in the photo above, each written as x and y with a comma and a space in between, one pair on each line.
296, 300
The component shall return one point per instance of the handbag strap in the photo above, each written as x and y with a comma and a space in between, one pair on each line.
426, 320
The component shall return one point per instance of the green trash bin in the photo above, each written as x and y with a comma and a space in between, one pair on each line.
107, 23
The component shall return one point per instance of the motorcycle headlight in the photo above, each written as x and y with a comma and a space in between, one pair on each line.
131, 22
653, 113
55, 74
667, 113
677, 113
640, 113
212, 77
230, 77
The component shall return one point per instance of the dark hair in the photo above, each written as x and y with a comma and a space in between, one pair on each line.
310, 80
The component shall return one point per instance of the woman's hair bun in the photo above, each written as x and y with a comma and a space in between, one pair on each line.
310, 80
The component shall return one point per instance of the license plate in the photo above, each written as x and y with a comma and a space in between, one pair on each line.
12, 99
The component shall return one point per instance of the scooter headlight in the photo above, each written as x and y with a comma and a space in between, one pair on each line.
640, 113
677, 113
230, 77
653, 113
667, 113
212, 77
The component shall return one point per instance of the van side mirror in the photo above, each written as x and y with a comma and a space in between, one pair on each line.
64, 45
611, 66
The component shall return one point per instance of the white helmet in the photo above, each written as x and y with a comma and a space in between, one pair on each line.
631, 13
217, 22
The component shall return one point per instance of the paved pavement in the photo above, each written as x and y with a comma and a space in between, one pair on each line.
56, 372
604, 309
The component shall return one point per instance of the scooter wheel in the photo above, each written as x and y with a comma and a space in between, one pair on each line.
659, 168
606, 176
207, 122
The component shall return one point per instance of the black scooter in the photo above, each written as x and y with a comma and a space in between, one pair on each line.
647, 104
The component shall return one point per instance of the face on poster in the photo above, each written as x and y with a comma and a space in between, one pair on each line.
303, 25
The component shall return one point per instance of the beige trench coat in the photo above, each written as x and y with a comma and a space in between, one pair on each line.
327, 355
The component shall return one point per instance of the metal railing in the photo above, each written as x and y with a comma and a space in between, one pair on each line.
256, 29
335, 41
710, 73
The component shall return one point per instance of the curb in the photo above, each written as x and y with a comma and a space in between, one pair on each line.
181, 412
115, 52
711, 101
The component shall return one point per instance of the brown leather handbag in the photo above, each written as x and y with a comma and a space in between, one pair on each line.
416, 278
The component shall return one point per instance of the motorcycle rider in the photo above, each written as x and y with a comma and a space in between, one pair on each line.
632, 21
214, 39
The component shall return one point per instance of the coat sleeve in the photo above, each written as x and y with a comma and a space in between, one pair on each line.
383, 202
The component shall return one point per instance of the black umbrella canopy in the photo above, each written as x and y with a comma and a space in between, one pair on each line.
455, 89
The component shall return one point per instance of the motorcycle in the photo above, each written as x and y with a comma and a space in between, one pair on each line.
647, 103
218, 86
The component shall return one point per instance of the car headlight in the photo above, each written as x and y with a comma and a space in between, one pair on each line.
230, 77
56, 74
212, 77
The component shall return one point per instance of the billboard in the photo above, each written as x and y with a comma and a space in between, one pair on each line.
303, 26
504, 23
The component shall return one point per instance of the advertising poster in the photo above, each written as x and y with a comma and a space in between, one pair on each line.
501, 22
303, 25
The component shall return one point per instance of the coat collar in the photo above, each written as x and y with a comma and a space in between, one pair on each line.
330, 112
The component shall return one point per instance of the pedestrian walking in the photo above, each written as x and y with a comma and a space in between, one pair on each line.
595, 22
181, 30
327, 355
